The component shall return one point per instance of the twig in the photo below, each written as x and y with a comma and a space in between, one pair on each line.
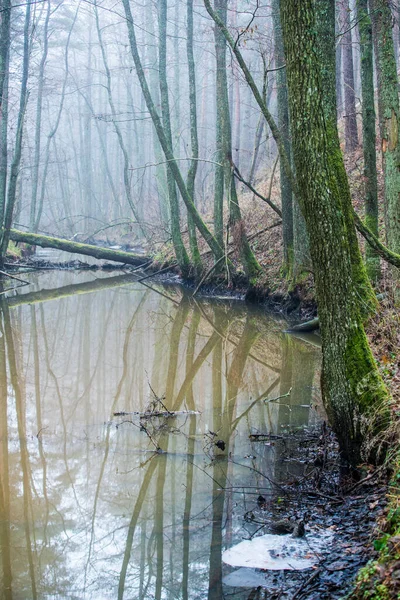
257, 233
245, 30
333, 499
14, 277
252, 189
158, 272
164, 162
202, 280
265, 436
143, 428
306, 583
366, 479
271, 481
279, 397
251, 237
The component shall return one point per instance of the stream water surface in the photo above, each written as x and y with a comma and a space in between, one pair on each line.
88, 509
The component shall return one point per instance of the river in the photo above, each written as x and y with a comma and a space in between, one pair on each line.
88, 508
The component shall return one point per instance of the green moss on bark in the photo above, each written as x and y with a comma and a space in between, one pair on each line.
344, 293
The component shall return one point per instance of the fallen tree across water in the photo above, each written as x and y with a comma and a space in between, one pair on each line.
45, 241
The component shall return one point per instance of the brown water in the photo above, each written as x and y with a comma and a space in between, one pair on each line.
88, 510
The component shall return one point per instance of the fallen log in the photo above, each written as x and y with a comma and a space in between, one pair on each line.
45, 241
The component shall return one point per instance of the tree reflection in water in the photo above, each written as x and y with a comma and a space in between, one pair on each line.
87, 508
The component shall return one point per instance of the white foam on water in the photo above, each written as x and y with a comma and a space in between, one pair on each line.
278, 552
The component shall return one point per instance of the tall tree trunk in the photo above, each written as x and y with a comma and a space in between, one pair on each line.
54, 129
177, 83
4, 147
103, 144
388, 102
369, 134
180, 250
351, 384
14, 171
236, 224
191, 177
339, 87
325, 23
351, 133
201, 226
220, 75
117, 129
87, 162
283, 122
161, 173
5, 16
38, 124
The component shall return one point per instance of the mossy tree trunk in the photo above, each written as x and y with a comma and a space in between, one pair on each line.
350, 132
388, 101
38, 124
283, 122
180, 250
220, 75
236, 224
191, 177
5, 6
45, 241
15, 164
351, 385
325, 46
301, 242
152, 61
369, 135
161, 134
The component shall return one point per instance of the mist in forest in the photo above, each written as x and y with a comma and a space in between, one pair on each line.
90, 154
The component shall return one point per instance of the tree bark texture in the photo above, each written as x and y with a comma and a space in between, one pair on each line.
325, 45
14, 170
352, 387
180, 250
388, 102
220, 84
350, 120
283, 122
369, 134
191, 176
